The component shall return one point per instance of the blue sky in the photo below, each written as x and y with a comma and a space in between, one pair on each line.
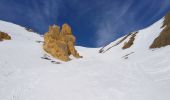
95, 22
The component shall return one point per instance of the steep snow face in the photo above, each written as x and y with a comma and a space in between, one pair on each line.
144, 38
136, 73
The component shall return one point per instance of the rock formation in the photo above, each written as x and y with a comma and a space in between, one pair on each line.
4, 36
60, 43
130, 42
164, 38
119, 42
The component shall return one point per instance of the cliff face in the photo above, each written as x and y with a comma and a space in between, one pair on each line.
164, 38
60, 43
4, 36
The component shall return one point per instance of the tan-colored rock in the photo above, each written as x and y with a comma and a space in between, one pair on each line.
164, 38
66, 30
60, 44
4, 36
69, 39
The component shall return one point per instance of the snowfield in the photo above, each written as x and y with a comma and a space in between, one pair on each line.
137, 73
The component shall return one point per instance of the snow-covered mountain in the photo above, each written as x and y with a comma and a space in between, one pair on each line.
142, 39
133, 73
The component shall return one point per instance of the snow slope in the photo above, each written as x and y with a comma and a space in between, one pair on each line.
133, 74
143, 40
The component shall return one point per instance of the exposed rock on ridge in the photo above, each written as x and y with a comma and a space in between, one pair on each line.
164, 38
130, 42
4, 36
60, 44
119, 42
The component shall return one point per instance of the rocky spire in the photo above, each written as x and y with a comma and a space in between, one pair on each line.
60, 44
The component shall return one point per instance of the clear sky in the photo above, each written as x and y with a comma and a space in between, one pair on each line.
94, 22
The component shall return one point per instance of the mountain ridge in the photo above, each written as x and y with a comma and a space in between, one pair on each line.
162, 27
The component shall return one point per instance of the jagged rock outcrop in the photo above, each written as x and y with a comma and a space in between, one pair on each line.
60, 44
4, 36
130, 42
164, 38
119, 42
